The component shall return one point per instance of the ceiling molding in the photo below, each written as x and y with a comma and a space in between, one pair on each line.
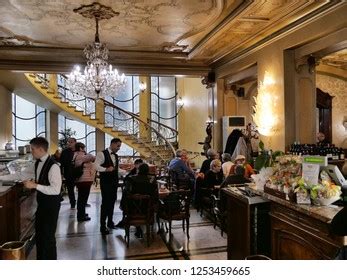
235, 56
241, 7
64, 67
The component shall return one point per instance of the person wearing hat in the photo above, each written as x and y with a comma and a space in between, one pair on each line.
241, 160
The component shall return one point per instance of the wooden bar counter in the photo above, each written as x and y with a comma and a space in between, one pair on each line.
297, 231
17, 213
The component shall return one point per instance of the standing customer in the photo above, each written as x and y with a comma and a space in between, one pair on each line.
66, 168
45, 177
84, 182
107, 164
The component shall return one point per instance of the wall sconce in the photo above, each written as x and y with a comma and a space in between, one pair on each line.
265, 114
180, 104
142, 87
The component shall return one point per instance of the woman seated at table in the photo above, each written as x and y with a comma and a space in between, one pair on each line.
135, 170
214, 177
237, 178
241, 160
142, 183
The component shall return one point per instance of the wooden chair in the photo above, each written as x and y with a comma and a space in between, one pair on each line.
175, 207
218, 213
206, 200
138, 210
179, 182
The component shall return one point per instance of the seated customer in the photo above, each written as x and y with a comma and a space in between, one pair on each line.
180, 167
135, 170
214, 176
132, 172
241, 160
227, 164
237, 178
142, 183
211, 155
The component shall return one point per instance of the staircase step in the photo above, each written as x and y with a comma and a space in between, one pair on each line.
145, 146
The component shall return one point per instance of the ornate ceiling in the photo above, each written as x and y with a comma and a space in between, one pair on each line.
337, 59
166, 36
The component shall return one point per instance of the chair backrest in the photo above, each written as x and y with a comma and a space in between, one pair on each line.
177, 202
179, 181
138, 206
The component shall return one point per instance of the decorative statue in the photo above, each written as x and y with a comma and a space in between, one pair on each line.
207, 142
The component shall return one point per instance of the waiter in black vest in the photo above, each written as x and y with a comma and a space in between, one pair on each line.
45, 177
106, 163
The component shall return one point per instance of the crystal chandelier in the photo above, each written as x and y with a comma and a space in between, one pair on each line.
98, 79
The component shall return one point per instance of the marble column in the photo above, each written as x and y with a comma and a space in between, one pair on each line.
100, 135
6, 116
145, 106
300, 100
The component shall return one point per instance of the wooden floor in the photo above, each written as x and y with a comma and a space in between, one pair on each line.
83, 241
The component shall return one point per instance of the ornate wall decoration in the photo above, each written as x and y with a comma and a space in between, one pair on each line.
337, 59
172, 47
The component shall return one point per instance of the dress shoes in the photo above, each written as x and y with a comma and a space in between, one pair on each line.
104, 231
112, 226
84, 219
120, 224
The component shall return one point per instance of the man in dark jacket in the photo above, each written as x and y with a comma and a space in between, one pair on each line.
66, 168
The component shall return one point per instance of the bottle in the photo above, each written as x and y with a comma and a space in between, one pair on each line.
342, 154
336, 154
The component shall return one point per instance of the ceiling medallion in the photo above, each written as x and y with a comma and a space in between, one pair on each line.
98, 79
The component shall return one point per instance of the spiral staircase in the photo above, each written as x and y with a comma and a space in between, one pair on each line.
150, 139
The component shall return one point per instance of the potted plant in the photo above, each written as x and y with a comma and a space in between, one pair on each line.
65, 135
266, 158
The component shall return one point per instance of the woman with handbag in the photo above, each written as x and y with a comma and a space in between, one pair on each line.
85, 181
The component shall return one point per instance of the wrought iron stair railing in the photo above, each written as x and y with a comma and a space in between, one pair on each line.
118, 121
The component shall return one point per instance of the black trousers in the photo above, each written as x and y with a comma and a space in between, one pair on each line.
83, 189
108, 199
46, 219
70, 185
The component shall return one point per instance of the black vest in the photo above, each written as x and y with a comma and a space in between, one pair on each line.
43, 180
109, 177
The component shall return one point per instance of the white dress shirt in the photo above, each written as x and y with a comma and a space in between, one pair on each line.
100, 159
54, 177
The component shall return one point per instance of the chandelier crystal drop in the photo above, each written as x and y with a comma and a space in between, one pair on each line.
99, 79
